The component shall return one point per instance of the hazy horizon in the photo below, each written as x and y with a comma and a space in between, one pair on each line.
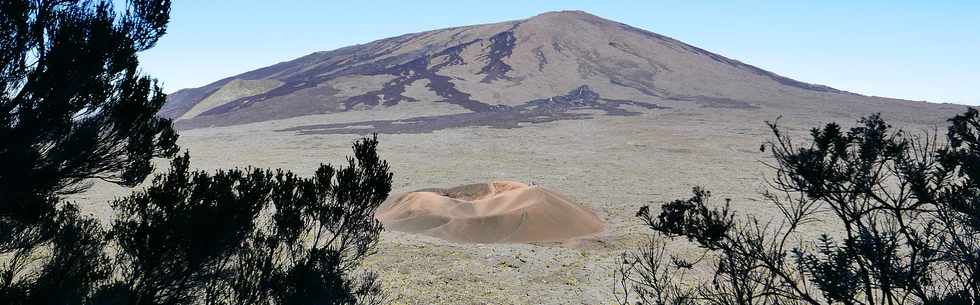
908, 51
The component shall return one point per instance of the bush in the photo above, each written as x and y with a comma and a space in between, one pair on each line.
252, 236
74, 107
904, 209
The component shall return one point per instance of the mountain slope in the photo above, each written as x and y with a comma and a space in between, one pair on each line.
503, 74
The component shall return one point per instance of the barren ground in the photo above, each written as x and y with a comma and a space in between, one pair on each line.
613, 163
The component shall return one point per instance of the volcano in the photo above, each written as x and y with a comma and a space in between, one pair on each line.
495, 212
554, 66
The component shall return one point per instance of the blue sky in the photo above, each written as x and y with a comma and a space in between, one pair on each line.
918, 50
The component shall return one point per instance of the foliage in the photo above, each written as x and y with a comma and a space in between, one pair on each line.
74, 107
903, 209
253, 236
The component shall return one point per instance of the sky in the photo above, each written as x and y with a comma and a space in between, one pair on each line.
917, 50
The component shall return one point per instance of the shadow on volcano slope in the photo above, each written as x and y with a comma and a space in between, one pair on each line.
499, 116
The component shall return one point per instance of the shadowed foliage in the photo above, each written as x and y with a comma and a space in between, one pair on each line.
252, 236
74, 108
899, 215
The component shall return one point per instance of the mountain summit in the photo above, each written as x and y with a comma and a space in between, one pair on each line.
553, 66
